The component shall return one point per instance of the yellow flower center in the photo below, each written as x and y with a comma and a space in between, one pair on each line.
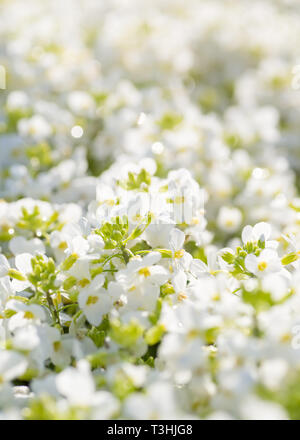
182, 296
92, 300
84, 282
262, 266
137, 218
178, 200
229, 223
118, 303
286, 337
56, 345
32, 130
28, 315
63, 246
179, 254
109, 202
193, 334
145, 271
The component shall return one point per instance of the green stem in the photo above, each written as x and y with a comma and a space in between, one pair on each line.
110, 257
53, 311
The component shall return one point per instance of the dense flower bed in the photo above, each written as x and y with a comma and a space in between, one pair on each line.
150, 209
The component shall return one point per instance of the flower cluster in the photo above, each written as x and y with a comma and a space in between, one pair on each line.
150, 209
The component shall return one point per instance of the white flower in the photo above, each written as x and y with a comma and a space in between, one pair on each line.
157, 233
181, 258
81, 102
23, 264
77, 384
277, 285
78, 246
105, 406
143, 270
229, 219
19, 245
36, 127
179, 281
261, 231
267, 262
45, 385
26, 338
159, 402
25, 314
17, 100
272, 372
61, 349
4, 266
12, 365
142, 279
253, 408
95, 301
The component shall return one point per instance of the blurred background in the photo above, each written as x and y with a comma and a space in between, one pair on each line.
210, 85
